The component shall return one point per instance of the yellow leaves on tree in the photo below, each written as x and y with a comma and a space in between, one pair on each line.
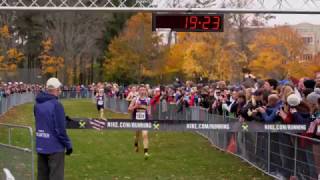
174, 58
196, 58
303, 69
298, 69
50, 64
11, 59
4, 32
14, 57
13, 53
134, 53
275, 50
200, 55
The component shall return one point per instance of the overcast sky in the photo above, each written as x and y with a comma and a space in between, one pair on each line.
271, 4
295, 19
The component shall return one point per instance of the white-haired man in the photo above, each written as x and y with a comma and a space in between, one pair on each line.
52, 141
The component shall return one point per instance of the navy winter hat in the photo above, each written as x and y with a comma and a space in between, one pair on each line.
310, 83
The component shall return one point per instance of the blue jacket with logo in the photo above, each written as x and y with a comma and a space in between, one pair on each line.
51, 135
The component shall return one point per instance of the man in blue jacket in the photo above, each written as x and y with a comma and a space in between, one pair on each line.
270, 113
52, 141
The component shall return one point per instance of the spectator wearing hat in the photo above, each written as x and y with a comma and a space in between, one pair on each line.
309, 86
314, 101
299, 110
299, 113
52, 141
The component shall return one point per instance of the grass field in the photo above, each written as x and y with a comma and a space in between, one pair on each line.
109, 154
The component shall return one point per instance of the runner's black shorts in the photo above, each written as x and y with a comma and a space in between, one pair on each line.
99, 107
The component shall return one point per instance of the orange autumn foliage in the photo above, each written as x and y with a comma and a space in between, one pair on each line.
277, 53
50, 64
10, 57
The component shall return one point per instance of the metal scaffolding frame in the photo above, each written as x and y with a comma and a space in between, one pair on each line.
203, 6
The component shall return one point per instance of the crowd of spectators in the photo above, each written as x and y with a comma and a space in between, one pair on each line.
74, 91
9, 88
262, 100
287, 101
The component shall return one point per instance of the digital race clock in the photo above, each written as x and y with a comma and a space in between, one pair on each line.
188, 22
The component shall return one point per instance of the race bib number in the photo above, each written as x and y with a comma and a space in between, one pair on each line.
141, 115
100, 102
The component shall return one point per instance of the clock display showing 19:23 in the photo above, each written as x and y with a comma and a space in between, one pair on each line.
188, 22
202, 22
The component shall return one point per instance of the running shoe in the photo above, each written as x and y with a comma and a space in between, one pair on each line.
136, 148
146, 156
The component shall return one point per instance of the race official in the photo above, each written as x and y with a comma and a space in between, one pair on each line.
52, 141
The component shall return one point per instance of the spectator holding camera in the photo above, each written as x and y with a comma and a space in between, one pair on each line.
250, 111
219, 100
269, 113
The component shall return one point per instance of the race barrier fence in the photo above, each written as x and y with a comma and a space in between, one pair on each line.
16, 155
9, 101
277, 154
280, 155
72, 94
14, 158
15, 99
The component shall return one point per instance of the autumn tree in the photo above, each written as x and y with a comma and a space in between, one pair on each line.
174, 61
10, 57
135, 54
276, 52
50, 65
304, 68
206, 55
241, 27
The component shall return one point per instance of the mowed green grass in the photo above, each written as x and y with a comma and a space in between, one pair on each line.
110, 155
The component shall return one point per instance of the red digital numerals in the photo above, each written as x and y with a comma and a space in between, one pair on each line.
206, 23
